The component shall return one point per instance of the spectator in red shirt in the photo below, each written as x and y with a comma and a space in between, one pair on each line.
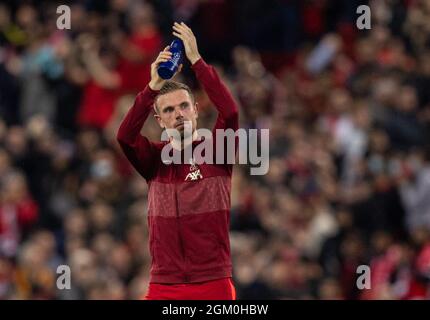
102, 84
139, 49
18, 212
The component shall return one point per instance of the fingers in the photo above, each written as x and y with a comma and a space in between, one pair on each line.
183, 32
163, 57
180, 36
182, 29
186, 27
165, 54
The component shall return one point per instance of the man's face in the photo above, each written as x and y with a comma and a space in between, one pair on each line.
174, 108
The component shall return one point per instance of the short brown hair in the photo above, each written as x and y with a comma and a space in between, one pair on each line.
170, 86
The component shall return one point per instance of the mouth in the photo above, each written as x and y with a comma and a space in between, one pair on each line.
179, 125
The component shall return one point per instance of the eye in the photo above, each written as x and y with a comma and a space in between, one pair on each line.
168, 110
185, 105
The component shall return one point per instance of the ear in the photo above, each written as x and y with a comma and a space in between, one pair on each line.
160, 122
196, 110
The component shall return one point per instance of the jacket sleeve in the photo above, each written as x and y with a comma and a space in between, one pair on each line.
218, 94
141, 152
221, 97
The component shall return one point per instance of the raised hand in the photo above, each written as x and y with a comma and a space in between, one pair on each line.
183, 32
156, 81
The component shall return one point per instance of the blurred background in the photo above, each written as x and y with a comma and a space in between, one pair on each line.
349, 118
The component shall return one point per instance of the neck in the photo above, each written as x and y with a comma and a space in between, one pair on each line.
183, 142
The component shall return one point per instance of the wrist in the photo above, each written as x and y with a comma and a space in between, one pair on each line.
195, 58
155, 85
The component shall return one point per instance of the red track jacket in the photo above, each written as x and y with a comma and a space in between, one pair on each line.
188, 219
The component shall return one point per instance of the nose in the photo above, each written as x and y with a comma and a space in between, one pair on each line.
178, 113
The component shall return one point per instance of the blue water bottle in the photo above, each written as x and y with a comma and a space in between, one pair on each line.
167, 69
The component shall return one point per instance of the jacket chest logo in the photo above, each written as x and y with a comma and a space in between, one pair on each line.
195, 173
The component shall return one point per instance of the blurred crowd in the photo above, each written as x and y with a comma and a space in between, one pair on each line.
349, 118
